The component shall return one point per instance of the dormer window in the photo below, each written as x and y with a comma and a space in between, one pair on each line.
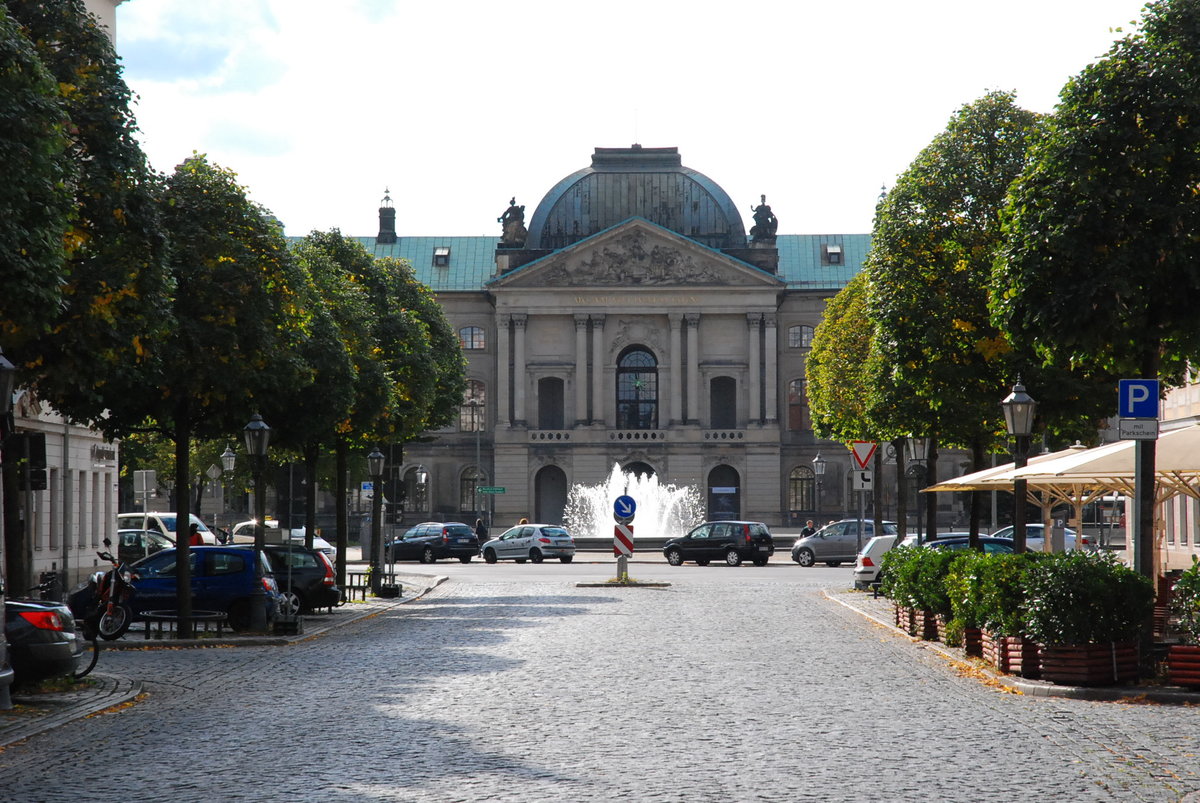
441, 256
833, 255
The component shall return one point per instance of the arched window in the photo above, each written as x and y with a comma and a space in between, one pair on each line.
801, 484
471, 478
472, 415
797, 406
800, 337
637, 389
471, 337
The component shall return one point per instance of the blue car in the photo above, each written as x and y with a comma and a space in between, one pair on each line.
224, 579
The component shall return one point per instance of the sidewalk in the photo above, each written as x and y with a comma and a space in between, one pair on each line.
34, 713
879, 610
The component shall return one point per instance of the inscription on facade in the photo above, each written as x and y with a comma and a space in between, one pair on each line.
641, 298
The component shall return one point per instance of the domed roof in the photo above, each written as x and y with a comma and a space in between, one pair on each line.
636, 182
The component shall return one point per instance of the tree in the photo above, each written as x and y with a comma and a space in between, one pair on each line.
1098, 275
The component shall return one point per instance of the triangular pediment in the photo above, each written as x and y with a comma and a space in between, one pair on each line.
637, 253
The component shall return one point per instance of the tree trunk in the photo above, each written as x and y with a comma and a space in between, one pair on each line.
342, 508
977, 497
183, 569
312, 453
931, 476
901, 491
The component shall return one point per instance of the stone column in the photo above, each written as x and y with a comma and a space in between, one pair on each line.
693, 367
676, 364
753, 414
519, 378
598, 369
581, 383
503, 415
771, 379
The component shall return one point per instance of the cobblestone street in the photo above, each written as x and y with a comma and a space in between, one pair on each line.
709, 690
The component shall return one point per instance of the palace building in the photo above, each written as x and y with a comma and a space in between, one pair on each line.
630, 320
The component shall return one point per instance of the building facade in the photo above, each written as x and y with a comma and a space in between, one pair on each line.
631, 321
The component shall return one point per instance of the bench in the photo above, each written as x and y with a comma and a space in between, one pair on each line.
155, 620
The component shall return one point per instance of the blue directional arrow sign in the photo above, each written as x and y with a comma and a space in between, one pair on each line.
624, 507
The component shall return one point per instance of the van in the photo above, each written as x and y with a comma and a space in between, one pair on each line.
163, 521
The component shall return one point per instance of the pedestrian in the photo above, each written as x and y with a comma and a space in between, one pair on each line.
523, 521
481, 530
194, 537
808, 530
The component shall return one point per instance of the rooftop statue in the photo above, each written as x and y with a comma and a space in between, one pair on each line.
512, 224
765, 222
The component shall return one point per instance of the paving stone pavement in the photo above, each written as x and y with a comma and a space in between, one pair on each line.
705, 691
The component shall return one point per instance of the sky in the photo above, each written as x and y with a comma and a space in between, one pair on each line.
456, 107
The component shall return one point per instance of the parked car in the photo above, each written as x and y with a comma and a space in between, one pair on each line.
163, 522
533, 542
730, 541
243, 533
990, 544
869, 561
224, 579
1035, 537
133, 545
432, 540
305, 577
42, 639
836, 543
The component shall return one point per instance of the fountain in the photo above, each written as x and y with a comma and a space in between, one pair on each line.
663, 511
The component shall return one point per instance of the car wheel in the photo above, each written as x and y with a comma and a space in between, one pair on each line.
674, 557
733, 558
239, 616
489, 555
701, 561
535, 555
113, 625
760, 561
464, 559
290, 603
833, 563
427, 555
567, 558
519, 560
805, 557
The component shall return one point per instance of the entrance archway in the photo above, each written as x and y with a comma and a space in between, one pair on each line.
724, 493
549, 495
639, 468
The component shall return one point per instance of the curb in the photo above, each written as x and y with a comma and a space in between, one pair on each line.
1034, 688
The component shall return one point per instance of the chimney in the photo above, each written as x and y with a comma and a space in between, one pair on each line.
387, 221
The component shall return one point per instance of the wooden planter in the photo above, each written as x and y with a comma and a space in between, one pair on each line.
1183, 665
1091, 664
1012, 654
925, 625
973, 641
906, 619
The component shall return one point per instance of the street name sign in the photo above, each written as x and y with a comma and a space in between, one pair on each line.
491, 489
863, 451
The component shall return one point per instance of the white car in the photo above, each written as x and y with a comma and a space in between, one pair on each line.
532, 542
243, 533
1035, 537
163, 521
868, 562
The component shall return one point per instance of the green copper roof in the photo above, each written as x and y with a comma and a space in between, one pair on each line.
472, 260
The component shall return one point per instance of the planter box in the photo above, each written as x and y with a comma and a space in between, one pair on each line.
1183, 665
1091, 664
1012, 654
924, 626
906, 619
973, 641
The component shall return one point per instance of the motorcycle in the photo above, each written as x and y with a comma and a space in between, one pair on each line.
102, 604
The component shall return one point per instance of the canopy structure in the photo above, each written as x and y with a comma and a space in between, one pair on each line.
996, 478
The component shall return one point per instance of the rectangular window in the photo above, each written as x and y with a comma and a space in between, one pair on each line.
833, 255
441, 256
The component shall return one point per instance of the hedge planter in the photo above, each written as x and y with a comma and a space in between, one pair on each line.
925, 625
1012, 654
1091, 664
973, 641
1183, 665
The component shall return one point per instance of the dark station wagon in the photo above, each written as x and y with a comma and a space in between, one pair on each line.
433, 540
730, 541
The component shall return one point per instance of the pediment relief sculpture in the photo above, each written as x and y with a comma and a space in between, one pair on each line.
632, 258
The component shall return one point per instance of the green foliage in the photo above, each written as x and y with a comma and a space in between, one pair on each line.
929, 581
898, 572
1080, 597
1001, 592
1103, 228
836, 367
964, 590
1185, 602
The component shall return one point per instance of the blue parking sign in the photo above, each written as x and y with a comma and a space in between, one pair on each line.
1137, 398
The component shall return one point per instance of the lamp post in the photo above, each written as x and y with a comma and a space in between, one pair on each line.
475, 404
8, 378
1019, 409
918, 454
228, 461
375, 461
258, 436
818, 464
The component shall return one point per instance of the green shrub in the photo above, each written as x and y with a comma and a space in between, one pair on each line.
964, 591
1001, 592
1080, 597
930, 568
1185, 603
898, 575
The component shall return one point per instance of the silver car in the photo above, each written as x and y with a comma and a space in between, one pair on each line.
532, 542
836, 543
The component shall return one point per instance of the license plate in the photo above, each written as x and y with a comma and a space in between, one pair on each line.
464, 540
762, 549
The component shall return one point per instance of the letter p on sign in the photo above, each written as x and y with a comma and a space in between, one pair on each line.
1137, 398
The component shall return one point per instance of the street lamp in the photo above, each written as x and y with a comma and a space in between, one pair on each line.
258, 436
1019, 409
228, 460
818, 464
375, 461
918, 455
475, 404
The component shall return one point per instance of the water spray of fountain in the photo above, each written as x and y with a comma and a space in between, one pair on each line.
663, 511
